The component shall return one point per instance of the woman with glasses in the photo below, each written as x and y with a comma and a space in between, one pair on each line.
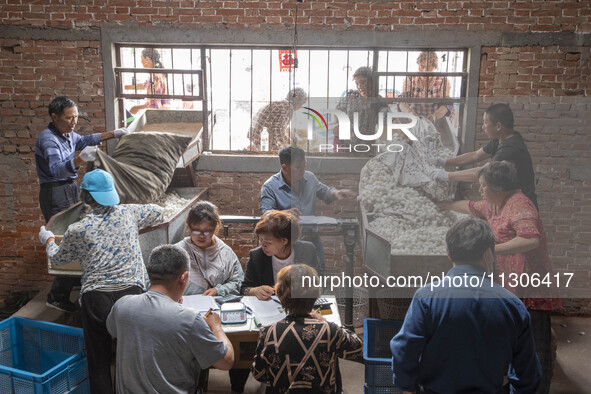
215, 269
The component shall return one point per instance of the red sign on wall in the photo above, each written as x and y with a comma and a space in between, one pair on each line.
286, 59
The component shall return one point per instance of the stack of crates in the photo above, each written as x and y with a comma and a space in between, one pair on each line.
377, 335
38, 357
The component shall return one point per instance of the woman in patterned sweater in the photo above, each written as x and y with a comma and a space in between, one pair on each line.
299, 354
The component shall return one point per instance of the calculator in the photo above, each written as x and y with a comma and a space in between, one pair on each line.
321, 302
228, 298
233, 313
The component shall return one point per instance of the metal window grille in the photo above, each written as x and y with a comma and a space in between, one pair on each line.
235, 82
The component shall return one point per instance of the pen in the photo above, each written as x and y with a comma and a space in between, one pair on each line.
208, 312
277, 301
318, 309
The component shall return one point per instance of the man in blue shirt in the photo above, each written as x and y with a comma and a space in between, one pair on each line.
295, 189
461, 333
57, 167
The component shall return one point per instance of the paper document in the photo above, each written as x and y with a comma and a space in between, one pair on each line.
263, 308
268, 312
200, 302
317, 220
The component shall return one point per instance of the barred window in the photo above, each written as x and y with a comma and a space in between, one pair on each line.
233, 86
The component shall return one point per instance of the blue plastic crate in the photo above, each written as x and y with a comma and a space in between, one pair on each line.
377, 335
39, 357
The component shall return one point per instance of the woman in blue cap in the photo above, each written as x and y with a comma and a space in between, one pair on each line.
106, 244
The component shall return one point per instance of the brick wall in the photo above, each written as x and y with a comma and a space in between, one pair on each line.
32, 71
517, 16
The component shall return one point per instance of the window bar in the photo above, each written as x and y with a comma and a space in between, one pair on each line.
119, 87
270, 76
290, 85
348, 69
230, 104
251, 94
446, 70
309, 87
327, 90
204, 61
168, 84
387, 79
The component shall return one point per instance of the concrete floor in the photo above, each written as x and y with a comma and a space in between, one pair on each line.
572, 371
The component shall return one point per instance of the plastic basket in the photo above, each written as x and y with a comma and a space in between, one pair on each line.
39, 357
377, 335
360, 305
392, 308
381, 390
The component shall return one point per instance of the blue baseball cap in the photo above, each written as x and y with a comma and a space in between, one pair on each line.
101, 187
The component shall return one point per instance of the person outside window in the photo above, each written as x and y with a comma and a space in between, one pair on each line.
275, 117
155, 84
426, 87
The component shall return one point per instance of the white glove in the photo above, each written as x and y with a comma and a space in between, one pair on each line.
44, 235
437, 174
88, 153
121, 132
440, 161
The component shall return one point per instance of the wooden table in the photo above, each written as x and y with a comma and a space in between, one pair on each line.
244, 340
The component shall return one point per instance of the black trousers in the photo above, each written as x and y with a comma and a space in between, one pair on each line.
96, 306
238, 378
542, 329
55, 198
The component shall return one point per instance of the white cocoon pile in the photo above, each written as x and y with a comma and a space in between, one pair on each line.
411, 222
172, 204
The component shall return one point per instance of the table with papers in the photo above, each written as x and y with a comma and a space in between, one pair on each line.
244, 336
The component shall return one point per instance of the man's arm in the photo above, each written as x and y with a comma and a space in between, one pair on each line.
469, 175
336, 194
407, 347
525, 372
111, 325
58, 168
468, 158
268, 200
214, 323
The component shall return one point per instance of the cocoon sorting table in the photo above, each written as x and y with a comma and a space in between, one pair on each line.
407, 216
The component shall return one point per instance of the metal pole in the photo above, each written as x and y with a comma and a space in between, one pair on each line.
350, 238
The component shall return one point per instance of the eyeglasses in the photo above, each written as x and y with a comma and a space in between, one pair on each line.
205, 233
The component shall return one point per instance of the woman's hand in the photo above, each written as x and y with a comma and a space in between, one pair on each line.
462, 206
317, 315
210, 292
263, 292
443, 205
